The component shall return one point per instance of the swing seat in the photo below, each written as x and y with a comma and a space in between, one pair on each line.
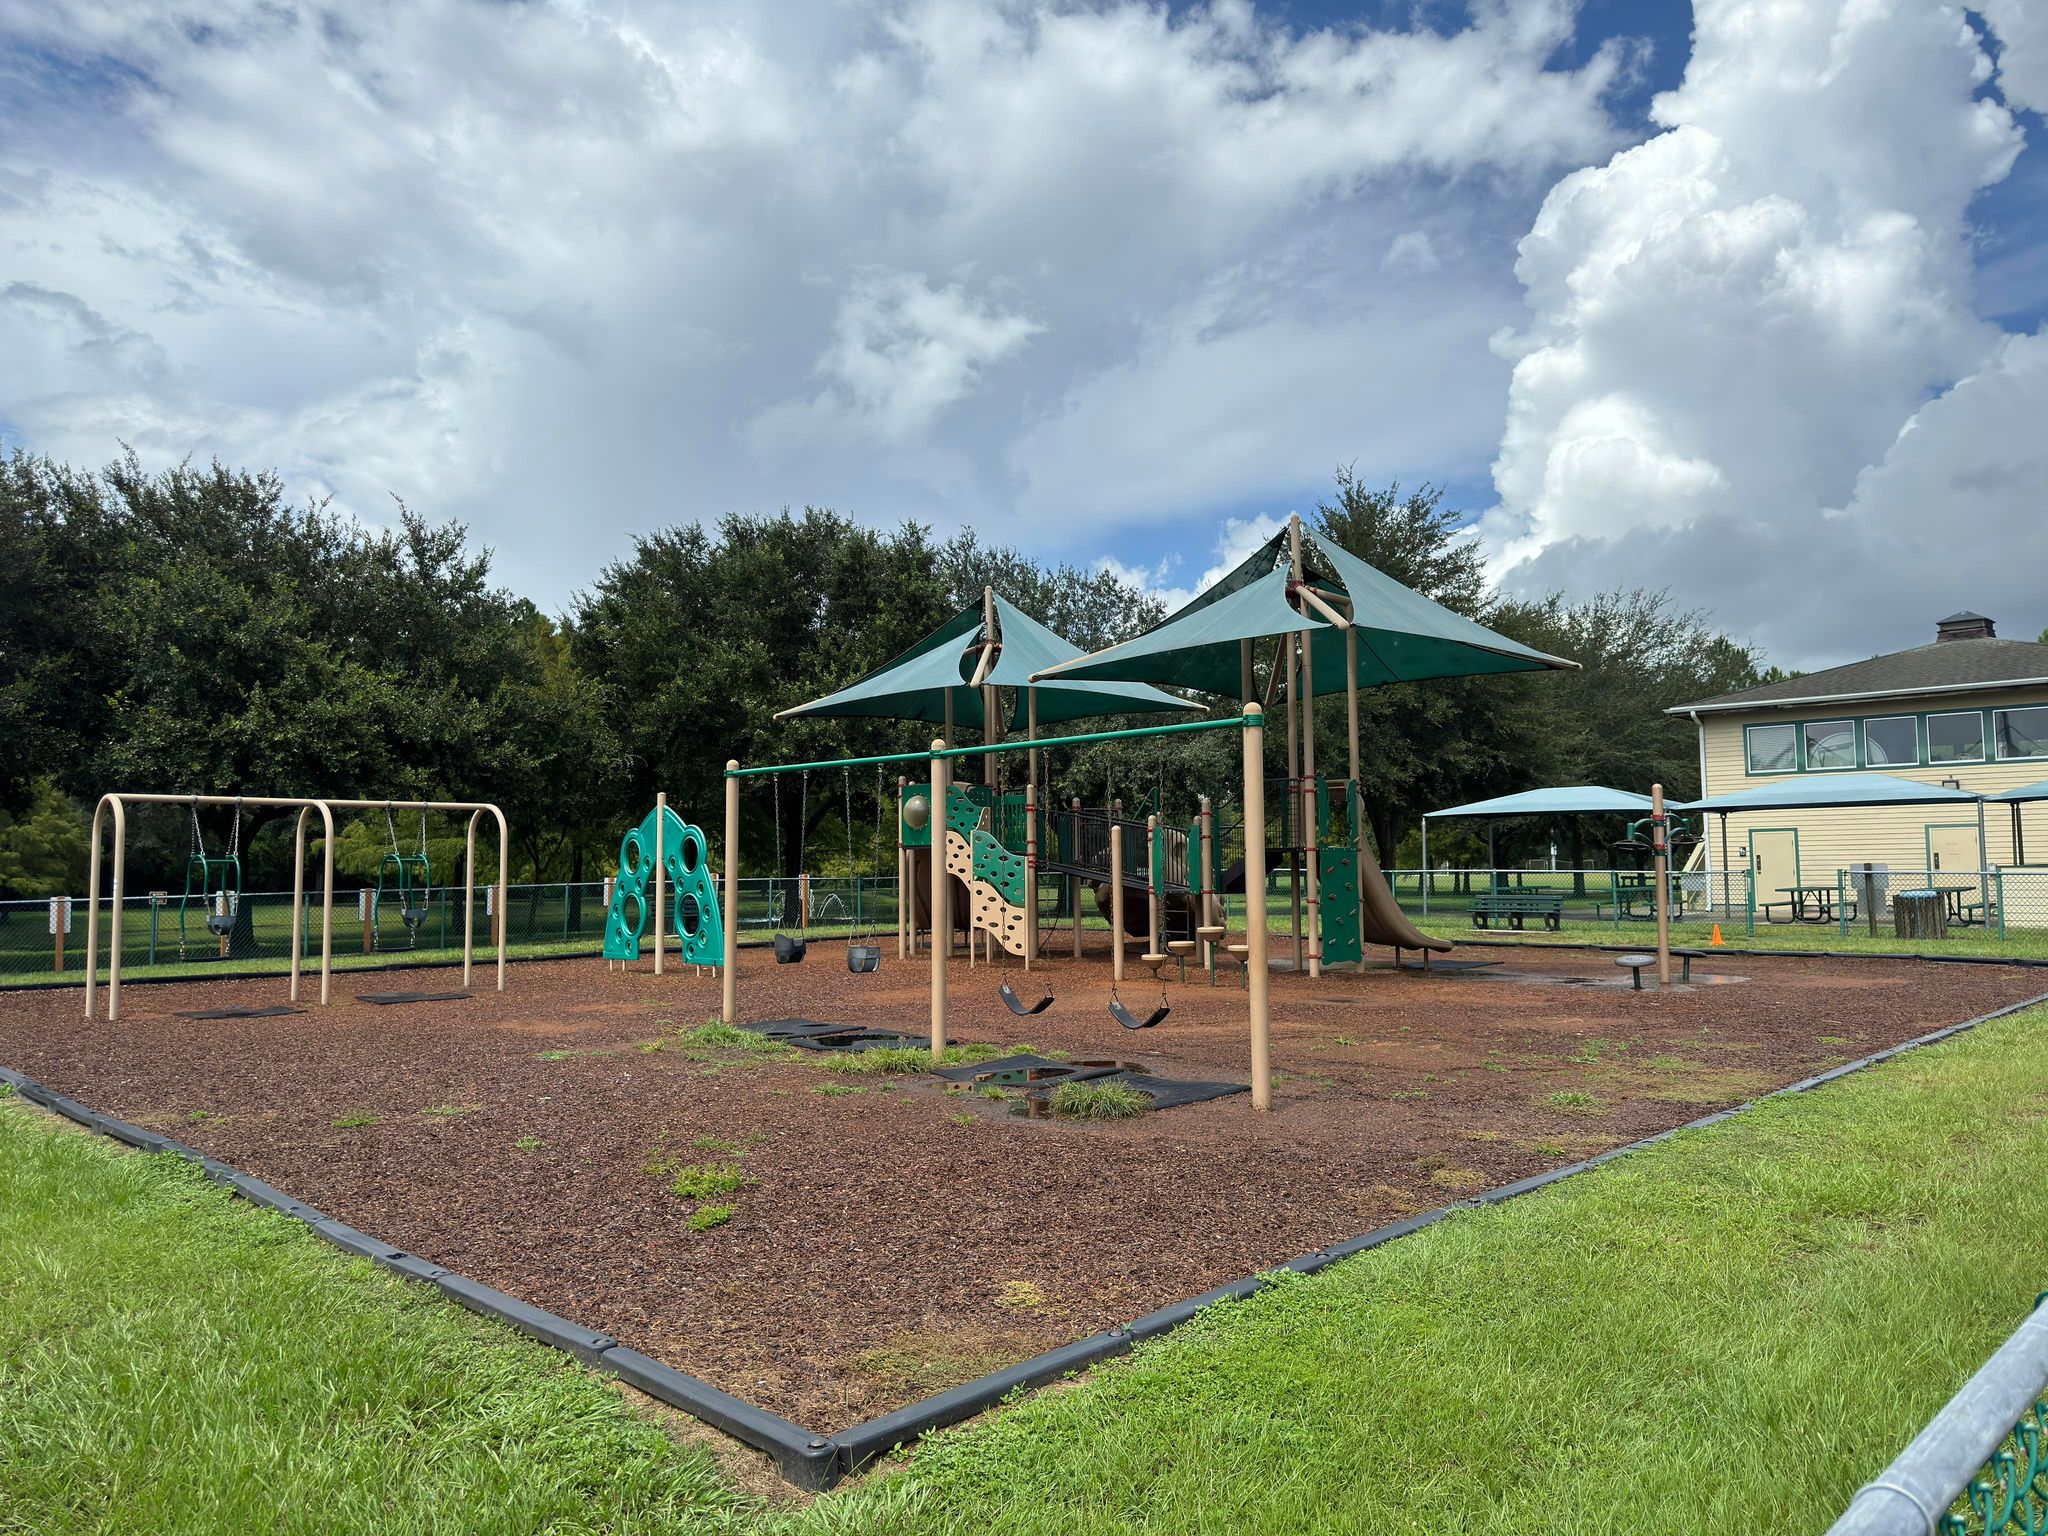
1018, 1006
413, 917
863, 957
219, 926
1130, 1020
790, 950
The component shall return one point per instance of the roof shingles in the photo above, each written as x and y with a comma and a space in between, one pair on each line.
1959, 664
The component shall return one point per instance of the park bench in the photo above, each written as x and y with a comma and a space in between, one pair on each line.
1515, 908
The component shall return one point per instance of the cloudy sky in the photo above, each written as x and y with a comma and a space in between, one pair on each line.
1745, 299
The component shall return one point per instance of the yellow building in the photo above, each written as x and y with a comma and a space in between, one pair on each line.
1969, 711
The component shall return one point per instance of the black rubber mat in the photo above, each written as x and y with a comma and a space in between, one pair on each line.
1028, 1070
1167, 1093
384, 998
238, 1013
861, 1040
799, 1029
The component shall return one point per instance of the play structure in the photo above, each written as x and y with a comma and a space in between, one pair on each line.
664, 853
115, 806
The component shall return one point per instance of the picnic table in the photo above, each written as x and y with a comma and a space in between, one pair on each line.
1813, 903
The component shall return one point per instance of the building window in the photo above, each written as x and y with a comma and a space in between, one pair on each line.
1771, 749
1892, 742
2021, 732
1957, 738
1831, 744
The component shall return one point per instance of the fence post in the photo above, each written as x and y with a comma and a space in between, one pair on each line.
1842, 901
1999, 877
1749, 888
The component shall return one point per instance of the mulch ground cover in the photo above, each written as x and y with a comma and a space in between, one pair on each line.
895, 1235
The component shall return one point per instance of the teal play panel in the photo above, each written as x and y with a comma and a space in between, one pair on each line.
1338, 872
693, 897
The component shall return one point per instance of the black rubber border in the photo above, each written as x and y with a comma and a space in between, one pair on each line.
1763, 954
816, 1462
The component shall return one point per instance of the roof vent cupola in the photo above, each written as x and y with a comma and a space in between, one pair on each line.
1965, 626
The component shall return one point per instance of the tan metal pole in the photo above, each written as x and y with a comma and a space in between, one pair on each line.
660, 891
1204, 891
1074, 881
902, 876
1030, 872
1660, 849
1116, 901
1356, 808
1152, 884
468, 898
729, 989
92, 898
1311, 830
942, 937
1291, 800
1258, 981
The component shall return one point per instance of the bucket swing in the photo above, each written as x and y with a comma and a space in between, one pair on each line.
219, 888
863, 954
790, 948
411, 875
1130, 1020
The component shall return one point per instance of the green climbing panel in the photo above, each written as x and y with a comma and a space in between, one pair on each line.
999, 867
963, 812
1338, 889
691, 895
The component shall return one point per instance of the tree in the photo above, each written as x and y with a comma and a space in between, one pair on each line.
43, 848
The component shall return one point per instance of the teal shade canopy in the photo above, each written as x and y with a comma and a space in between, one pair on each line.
1565, 800
1403, 636
1822, 791
2019, 796
914, 686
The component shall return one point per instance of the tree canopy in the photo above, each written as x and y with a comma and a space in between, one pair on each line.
193, 630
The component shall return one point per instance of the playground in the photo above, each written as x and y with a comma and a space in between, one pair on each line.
894, 1233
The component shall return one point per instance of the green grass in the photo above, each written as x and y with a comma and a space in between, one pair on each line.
899, 1059
703, 1180
353, 1122
1730, 1331
705, 1217
174, 1361
1098, 1101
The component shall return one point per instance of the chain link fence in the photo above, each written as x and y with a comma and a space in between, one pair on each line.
162, 936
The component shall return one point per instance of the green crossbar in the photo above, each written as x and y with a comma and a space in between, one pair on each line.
1044, 743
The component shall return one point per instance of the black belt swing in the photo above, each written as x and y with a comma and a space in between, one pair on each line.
790, 948
1130, 1020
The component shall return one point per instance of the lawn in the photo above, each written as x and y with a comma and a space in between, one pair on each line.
172, 1360
1731, 1331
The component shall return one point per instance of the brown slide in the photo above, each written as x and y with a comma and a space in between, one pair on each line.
1380, 915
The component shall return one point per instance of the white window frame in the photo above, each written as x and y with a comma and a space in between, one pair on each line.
1919, 751
1983, 741
1998, 746
1805, 736
1749, 767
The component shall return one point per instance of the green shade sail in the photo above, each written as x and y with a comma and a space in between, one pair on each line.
1824, 791
1402, 636
914, 686
1564, 800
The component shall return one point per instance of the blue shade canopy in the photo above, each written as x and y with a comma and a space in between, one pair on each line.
1820, 791
915, 685
2024, 793
1402, 636
1565, 800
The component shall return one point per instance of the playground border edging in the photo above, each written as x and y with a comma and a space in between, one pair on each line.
1766, 954
816, 1462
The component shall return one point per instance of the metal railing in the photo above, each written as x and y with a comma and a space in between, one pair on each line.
1980, 1467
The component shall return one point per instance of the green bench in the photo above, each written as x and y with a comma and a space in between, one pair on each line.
1515, 908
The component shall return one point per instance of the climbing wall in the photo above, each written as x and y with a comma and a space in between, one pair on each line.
1338, 869
994, 877
692, 896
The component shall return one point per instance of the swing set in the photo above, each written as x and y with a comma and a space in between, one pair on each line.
940, 758
863, 953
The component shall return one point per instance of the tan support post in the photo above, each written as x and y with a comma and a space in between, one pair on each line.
729, 991
366, 901
1205, 893
1257, 980
1152, 885
941, 903
660, 876
1291, 796
1116, 901
803, 901
1357, 800
1310, 834
1661, 846
1074, 881
1030, 871
902, 875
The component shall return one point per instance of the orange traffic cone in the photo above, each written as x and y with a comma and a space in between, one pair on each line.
1715, 943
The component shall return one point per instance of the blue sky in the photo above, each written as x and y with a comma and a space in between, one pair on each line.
1108, 281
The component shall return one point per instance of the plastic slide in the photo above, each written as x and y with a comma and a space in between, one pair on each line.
1380, 915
